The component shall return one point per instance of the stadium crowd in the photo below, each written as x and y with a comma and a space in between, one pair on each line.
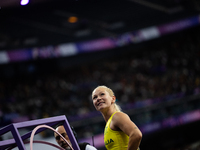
155, 71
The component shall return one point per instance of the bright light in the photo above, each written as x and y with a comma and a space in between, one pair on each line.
24, 2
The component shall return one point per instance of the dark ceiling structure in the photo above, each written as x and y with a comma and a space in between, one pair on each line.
52, 22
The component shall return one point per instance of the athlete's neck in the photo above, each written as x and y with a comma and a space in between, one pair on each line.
107, 114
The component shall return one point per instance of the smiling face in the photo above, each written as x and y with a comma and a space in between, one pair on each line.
102, 98
59, 140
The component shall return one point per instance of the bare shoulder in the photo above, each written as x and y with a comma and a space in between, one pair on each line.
120, 115
121, 121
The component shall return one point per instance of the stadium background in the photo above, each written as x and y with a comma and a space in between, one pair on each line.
148, 54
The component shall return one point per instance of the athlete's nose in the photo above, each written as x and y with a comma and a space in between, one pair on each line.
98, 98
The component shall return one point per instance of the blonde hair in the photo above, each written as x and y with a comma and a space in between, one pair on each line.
111, 93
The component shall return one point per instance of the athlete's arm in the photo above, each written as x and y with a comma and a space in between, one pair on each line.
121, 121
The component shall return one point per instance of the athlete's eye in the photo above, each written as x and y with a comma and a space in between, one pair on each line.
94, 97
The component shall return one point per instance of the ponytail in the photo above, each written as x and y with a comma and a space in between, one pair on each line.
117, 107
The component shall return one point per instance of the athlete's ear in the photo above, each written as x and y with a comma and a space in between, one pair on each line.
113, 99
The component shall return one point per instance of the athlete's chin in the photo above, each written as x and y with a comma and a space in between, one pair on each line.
100, 108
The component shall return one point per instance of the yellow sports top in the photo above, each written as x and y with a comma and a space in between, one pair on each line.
115, 140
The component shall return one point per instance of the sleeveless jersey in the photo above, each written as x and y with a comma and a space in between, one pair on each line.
115, 140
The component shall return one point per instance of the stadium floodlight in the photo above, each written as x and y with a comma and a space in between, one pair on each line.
24, 2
